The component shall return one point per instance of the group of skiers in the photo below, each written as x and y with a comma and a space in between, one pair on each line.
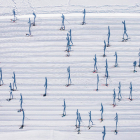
68, 49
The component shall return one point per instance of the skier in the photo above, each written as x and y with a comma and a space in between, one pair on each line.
21, 101
139, 57
104, 132
10, 87
134, 64
108, 36
67, 38
14, 83
116, 63
1, 81
11, 95
116, 119
14, 13
22, 120
106, 68
64, 111
79, 120
114, 97
119, 93
68, 47
62, 26
102, 110
124, 31
45, 85
104, 48
130, 96
34, 18
90, 119
77, 117
69, 79
29, 28
97, 82
106, 77
68, 51
70, 37
95, 62
84, 17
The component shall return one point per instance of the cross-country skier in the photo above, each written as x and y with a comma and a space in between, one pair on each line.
69, 79
104, 48
11, 95
64, 110
68, 50
95, 64
79, 120
108, 36
124, 31
102, 110
114, 97
106, 68
14, 13
130, 96
77, 117
134, 64
97, 82
84, 17
116, 63
1, 81
45, 85
21, 101
104, 132
34, 18
29, 27
119, 93
106, 77
10, 87
14, 83
90, 120
68, 47
70, 37
116, 119
67, 38
62, 26
22, 120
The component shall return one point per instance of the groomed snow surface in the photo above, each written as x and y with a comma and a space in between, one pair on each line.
43, 55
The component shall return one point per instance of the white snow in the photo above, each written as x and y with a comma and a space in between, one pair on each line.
43, 55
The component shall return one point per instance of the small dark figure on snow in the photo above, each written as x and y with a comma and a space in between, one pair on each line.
124, 31
14, 83
95, 64
116, 119
45, 85
97, 82
62, 26
108, 36
130, 95
134, 64
104, 132
64, 110
84, 17
102, 110
119, 93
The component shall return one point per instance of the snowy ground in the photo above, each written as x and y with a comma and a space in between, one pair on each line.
43, 55
24, 7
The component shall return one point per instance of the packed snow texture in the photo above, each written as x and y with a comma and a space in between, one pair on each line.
43, 55
24, 7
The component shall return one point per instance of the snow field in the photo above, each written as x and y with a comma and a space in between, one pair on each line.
43, 55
